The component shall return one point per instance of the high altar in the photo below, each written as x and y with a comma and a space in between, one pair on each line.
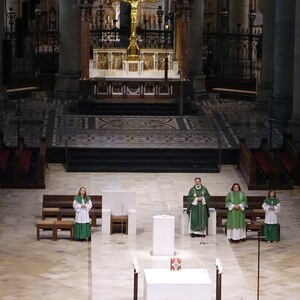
134, 71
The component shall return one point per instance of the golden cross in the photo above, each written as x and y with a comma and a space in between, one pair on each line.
133, 48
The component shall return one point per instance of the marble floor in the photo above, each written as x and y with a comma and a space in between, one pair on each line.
219, 123
102, 269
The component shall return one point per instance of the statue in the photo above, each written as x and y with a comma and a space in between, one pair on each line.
133, 48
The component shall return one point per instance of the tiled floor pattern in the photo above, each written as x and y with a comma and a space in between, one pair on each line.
102, 269
218, 123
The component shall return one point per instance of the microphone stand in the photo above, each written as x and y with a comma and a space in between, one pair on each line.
202, 222
122, 220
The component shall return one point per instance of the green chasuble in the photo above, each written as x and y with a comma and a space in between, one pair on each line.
271, 201
198, 213
236, 218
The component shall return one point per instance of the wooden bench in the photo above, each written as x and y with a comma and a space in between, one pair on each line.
247, 165
4, 153
64, 205
268, 163
235, 92
54, 226
21, 163
63, 225
289, 157
253, 212
44, 225
21, 92
122, 221
260, 168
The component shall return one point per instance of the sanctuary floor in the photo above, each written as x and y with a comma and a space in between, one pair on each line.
102, 269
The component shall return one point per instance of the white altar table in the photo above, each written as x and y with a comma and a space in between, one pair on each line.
188, 284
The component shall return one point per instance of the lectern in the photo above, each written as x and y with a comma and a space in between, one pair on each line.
163, 235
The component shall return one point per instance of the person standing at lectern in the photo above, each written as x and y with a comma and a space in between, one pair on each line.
236, 203
198, 199
82, 204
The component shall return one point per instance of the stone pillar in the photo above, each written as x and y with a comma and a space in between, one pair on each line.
267, 73
1, 61
67, 78
238, 14
282, 101
294, 123
196, 50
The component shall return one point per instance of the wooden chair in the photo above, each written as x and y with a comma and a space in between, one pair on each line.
122, 221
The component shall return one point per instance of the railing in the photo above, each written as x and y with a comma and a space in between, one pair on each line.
232, 55
118, 38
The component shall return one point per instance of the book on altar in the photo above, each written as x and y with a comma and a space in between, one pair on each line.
175, 264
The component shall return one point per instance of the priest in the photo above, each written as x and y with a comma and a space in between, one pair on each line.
198, 199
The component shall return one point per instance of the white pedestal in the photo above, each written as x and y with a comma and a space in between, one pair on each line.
106, 221
212, 222
184, 222
192, 284
163, 235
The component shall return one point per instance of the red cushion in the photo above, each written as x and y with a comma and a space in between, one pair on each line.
25, 159
286, 161
263, 162
4, 154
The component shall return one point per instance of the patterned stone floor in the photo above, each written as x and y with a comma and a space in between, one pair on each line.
219, 123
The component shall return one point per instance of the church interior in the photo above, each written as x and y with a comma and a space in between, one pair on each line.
143, 96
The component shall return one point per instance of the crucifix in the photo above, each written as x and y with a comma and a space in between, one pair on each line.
133, 48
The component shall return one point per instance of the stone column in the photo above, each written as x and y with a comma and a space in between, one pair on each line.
196, 50
294, 123
282, 101
267, 72
1, 61
67, 78
238, 14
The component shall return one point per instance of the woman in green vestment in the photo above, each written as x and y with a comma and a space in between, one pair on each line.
82, 205
236, 203
271, 207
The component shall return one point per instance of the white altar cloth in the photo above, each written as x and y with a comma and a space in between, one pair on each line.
188, 284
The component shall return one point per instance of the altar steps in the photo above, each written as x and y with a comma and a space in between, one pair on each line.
142, 160
134, 108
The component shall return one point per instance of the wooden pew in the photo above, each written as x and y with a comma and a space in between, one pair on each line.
21, 163
289, 157
260, 168
41, 164
61, 206
21, 92
253, 212
4, 153
247, 165
244, 94
54, 226
268, 164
